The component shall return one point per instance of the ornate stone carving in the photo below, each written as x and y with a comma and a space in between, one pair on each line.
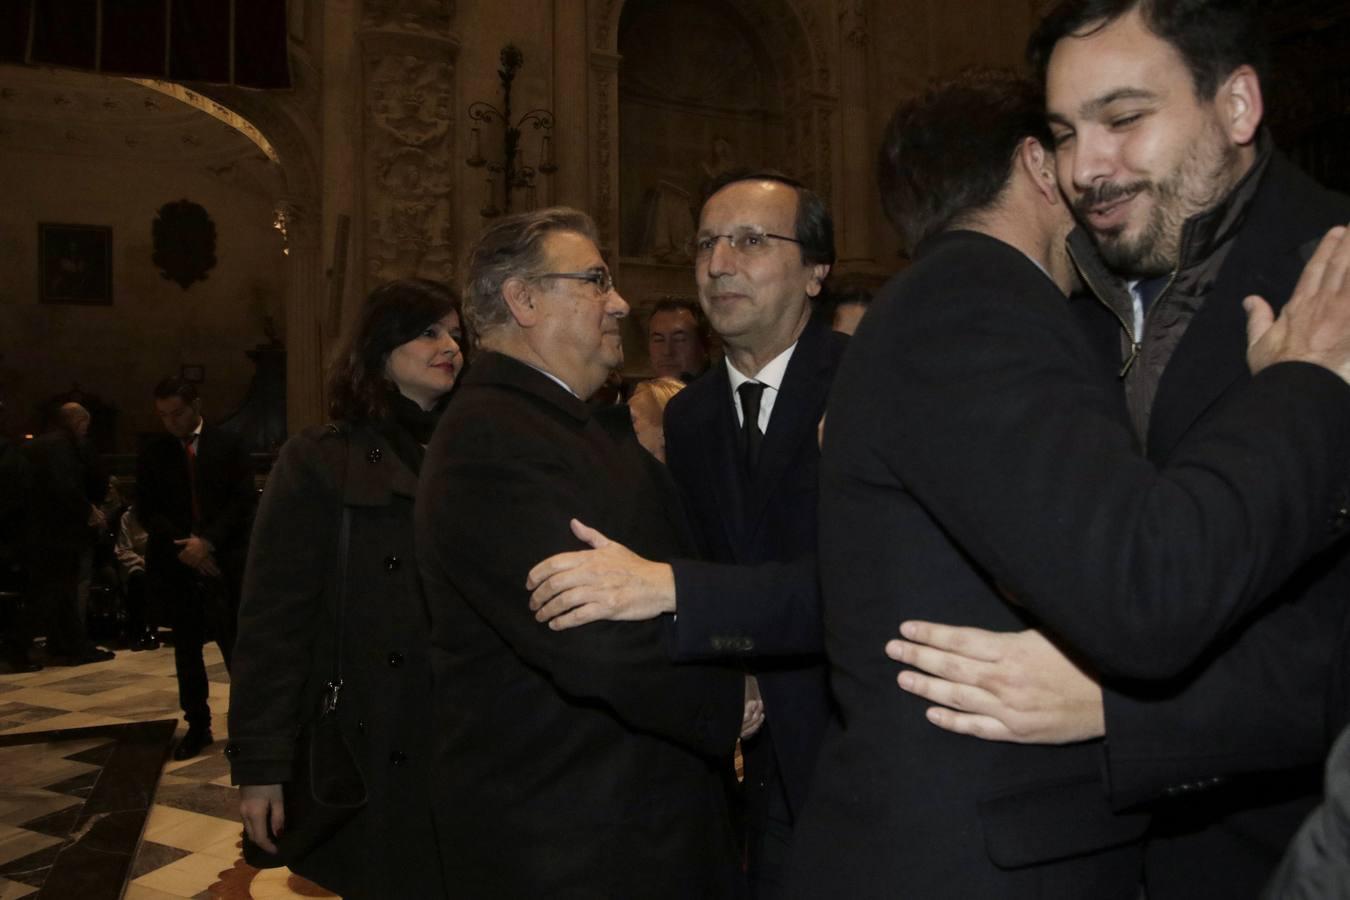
410, 15
853, 22
603, 157
409, 186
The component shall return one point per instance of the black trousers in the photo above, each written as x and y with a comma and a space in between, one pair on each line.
199, 609
53, 602
768, 818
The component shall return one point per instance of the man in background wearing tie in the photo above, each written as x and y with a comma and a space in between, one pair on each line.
194, 495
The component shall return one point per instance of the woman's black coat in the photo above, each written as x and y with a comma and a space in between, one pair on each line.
285, 652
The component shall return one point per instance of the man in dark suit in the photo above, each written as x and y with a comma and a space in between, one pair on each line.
570, 763
741, 444
1158, 111
63, 515
978, 462
195, 498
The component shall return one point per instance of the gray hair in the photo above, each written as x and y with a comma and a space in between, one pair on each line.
512, 248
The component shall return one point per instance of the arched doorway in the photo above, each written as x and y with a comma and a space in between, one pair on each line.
715, 83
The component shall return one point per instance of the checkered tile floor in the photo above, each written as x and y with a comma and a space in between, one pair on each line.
190, 845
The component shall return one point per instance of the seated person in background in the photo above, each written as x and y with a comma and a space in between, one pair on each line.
130, 553
647, 407
387, 389
579, 763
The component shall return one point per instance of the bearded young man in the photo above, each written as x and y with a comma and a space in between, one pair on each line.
1156, 109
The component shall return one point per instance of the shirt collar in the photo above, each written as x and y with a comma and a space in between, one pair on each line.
554, 378
771, 376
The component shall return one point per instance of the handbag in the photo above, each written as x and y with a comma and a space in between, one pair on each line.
327, 788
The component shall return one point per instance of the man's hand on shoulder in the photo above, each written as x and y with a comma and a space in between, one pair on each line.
1314, 326
608, 582
999, 686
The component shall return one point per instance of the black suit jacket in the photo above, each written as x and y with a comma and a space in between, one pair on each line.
1258, 701
979, 469
225, 494
572, 763
756, 594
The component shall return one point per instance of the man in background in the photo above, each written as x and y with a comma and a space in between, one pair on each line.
677, 339
63, 521
195, 499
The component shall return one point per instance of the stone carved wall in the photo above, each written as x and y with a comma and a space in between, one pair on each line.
409, 150
417, 16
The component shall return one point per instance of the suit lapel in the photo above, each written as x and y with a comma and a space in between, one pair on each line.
794, 419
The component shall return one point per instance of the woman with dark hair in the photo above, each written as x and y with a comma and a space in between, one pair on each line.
331, 596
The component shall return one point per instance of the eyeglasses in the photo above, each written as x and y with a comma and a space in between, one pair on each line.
603, 281
746, 241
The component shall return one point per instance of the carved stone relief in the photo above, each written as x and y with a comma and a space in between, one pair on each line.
433, 16
409, 184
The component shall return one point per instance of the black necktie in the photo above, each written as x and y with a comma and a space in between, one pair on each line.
750, 394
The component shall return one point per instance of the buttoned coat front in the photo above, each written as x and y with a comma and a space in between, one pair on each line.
286, 654
575, 763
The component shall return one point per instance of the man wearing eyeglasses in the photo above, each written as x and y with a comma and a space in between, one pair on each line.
570, 763
741, 444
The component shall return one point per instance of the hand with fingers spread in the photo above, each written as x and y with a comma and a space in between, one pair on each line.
607, 582
263, 813
998, 686
1314, 326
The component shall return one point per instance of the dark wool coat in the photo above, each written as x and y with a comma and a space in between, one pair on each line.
577, 763
979, 469
285, 652
1233, 749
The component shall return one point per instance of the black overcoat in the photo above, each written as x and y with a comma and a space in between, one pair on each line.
978, 468
577, 763
1229, 756
285, 652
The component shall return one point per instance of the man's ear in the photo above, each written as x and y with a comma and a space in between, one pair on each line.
520, 300
1240, 105
818, 274
1039, 166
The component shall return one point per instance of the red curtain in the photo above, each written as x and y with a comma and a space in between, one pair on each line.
239, 42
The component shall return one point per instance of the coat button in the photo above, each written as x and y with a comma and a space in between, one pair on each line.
231, 750
391, 563
360, 727
398, 758
375, 455
395, 659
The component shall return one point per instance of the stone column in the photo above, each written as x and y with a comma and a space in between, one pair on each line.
305, 313
571, 183
854, 193
604, 135
409, 154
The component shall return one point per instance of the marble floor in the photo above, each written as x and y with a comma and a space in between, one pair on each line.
189, 845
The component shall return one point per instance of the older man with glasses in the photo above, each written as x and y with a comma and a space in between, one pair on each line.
581, 763
741, 444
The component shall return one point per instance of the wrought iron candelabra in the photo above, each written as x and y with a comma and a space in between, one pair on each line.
514, 172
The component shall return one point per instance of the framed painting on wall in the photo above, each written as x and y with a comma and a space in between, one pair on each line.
74, 264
